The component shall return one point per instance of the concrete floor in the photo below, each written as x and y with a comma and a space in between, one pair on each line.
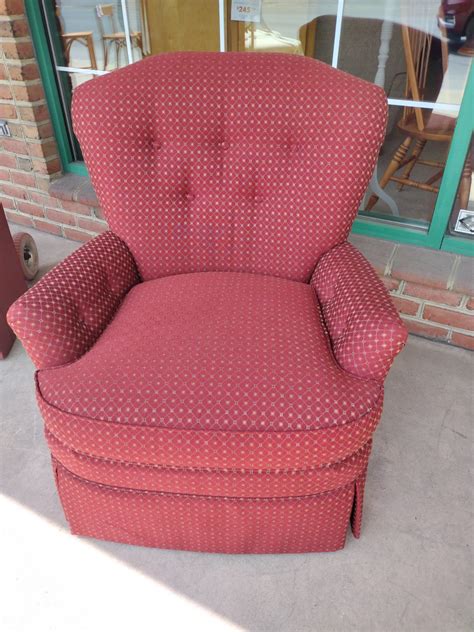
410, 571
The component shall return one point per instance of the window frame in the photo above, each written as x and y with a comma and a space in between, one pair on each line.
435, 237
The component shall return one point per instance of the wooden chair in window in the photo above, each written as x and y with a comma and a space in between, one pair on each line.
420, 125
77, 37
115, 39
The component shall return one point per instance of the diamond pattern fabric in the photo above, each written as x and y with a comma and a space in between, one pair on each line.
247, 163
363, 324
213, 351
210, 371
217, 481
62, 316
294, 524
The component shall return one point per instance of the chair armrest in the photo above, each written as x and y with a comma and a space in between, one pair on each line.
365, 329
62, 316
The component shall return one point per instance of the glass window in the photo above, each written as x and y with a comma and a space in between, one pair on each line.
406, 48
420, 53
278, 26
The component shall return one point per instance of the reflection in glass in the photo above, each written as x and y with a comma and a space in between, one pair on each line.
92, 34
113, 36
284, 27
407, 53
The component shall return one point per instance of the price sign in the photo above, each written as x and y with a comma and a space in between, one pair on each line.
246, 10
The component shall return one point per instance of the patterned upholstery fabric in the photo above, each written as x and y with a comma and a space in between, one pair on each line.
62, 316
230, 524
364, 327
277, 372
246, 163
211, 370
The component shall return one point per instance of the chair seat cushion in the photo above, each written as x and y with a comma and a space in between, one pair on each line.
207, 363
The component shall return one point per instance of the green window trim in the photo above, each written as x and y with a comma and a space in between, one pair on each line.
435, 237
48, 77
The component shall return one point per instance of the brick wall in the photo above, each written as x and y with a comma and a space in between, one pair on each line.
432, 290
29, 160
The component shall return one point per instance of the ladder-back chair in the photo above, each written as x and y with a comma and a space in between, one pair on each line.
420, 125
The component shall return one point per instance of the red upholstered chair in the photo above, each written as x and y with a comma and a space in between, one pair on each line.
211, 370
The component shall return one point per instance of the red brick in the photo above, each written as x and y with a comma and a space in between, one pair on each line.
48, 227
390, 284
5, 92
75, 207
60, 216
3, 72
7, 111
7, 202
6, 28
33, 112
16, 130
14, 28
46, 166
43, 149
14, 145
7, 160
44, 199
470, 303
4, 174
30, 209
90, 224
11, 7
25, 72
20, 27
14, 191
26, 179
425, 329
433, 294
76, 235
18, 50
405, 306
38, 132
16, 218
462, 340
449, 317
28, 93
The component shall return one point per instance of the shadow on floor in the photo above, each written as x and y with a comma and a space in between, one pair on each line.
410, 570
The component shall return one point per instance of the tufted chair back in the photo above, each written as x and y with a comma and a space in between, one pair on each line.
229, 161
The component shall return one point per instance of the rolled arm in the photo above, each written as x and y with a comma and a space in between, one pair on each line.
365, 329
62, 316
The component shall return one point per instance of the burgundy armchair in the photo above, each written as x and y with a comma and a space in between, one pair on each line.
210, 371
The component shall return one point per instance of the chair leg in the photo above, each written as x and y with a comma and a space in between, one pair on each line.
419, 146
117, 54
465, 184
437, 176
106, 54
394, 165
90, 48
